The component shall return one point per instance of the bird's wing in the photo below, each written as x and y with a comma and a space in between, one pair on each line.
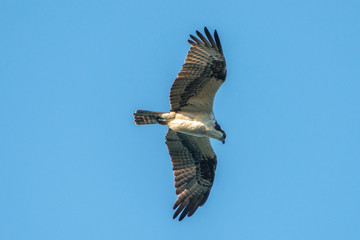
194, 164
201, 76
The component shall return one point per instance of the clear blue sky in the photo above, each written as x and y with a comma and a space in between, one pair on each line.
73, 165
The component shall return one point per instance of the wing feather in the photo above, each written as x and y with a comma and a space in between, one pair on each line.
194, 164
203, 38
196, 39
218, 43
208, 35
201, 76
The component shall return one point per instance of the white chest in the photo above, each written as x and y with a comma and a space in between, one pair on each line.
194, 124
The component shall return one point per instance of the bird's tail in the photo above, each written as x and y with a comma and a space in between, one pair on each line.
148, 117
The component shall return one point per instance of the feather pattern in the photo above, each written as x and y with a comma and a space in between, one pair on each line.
194, 164
201, 76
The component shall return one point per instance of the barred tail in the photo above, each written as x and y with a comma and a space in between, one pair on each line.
148, 117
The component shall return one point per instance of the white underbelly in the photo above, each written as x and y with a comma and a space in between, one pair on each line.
190, 127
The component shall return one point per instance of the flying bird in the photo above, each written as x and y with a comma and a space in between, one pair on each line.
191, 122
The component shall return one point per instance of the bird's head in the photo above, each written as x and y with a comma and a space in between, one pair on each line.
223, 138
218, 128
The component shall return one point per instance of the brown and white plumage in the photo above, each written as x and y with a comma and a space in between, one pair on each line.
201, 76
194, 164
191, 122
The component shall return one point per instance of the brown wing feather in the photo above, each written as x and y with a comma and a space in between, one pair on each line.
201, 76
194, 164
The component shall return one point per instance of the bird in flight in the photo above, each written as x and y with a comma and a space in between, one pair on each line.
191, 122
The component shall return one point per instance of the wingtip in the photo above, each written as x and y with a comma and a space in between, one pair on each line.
206, 31
218, 43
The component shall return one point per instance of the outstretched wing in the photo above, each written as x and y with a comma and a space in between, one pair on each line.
194, 164
201, 76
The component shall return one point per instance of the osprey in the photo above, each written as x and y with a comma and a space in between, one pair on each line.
191, 122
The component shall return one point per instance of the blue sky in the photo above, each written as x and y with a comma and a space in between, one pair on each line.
75, 166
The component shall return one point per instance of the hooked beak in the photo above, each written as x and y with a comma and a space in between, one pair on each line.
223, 140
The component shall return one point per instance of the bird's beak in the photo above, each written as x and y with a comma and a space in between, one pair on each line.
223, 141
